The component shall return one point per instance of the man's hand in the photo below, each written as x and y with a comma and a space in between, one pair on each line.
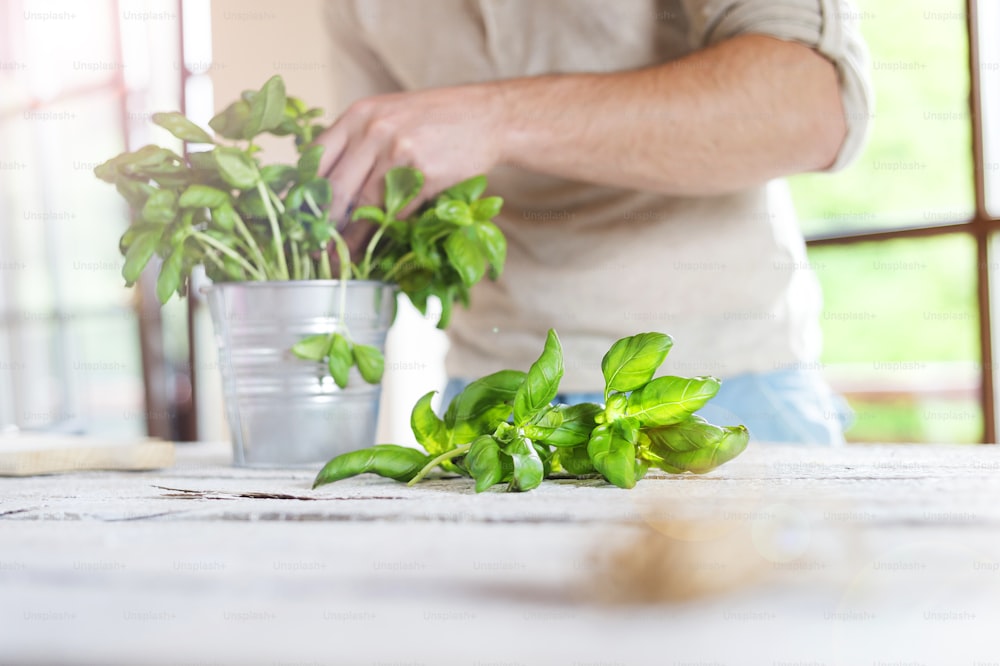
450, 134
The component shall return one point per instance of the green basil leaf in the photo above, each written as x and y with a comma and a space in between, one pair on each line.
308, 165
312, 348
641, 467
613, 454
632, 361
292, 228
224, 216
572, 428
494, 244
278, 176
542, 382
345, 466
447, 298
295, 198
181, 127
528, 468
429, 226
466, 255
693, 445
340, 359
485, 210
231, 123
129, 235
205, 170
545, 421
160, 207
482, 405
295, 107
575, 460
614, 407
140, 251
546, 455
484, 463
388, 460
251, 205
202, 196
169, 280
467, 191
173, 176
321, 191
147, 157
402, 185
373, 213
308, 133
236, 167
669, 400
267, 108
108, 170
429, 430
285, 127
505, 433
399, 463
139, 165
454, 212
371, 363
136, 192
232, 269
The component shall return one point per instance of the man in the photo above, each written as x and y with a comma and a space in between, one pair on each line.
634, 142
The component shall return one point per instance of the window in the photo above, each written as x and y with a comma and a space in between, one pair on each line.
78, 80
901, 240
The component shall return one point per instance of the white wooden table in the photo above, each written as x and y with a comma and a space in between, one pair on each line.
787, 556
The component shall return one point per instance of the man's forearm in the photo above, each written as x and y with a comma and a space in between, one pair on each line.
738, 114
725, 118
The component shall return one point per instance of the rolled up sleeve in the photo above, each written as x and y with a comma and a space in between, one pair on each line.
827, 26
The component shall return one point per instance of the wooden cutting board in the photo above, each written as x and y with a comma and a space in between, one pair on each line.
28, 454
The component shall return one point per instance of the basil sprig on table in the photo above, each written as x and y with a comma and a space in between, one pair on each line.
246, 221
503, 428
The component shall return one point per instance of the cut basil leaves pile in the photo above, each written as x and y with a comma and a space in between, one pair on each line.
504, 429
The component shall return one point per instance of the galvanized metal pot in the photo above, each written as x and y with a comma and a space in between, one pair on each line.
283, 411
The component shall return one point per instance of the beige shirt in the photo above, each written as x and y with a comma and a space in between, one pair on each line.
726, 276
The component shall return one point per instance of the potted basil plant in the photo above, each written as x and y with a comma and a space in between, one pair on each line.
300, 322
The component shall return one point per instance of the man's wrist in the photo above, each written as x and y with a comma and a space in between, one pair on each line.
501, 98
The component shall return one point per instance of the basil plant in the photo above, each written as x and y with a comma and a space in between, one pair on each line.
223, 209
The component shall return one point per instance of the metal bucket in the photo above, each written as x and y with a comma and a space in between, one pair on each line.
284, 411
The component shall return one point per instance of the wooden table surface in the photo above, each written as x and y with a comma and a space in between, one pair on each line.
875, 555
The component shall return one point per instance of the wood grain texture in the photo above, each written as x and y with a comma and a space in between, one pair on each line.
33, 454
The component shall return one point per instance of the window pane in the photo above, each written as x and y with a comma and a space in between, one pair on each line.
989, 84
21, 205
106, 373
85, 216
901, 337
917, 167
67, 44
993, 248
38, 397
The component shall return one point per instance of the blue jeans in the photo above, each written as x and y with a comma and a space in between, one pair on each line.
781, 407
